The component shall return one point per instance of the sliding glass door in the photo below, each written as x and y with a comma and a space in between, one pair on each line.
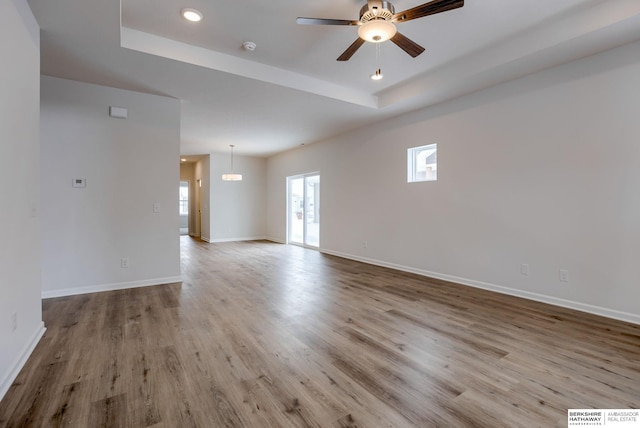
304, 210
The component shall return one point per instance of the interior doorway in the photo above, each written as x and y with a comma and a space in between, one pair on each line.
303, 196
183, 201
198, 213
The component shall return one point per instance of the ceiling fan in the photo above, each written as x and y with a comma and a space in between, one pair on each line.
377, 24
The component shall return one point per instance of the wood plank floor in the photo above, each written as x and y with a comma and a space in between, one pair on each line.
268, 335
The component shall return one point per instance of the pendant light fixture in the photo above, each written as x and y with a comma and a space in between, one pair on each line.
232, 176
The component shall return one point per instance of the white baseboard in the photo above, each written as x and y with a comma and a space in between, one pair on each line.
253, 238
19, 363
570, 304
276, 240
109, 287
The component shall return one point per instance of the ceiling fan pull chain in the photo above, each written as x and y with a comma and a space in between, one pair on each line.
377, 75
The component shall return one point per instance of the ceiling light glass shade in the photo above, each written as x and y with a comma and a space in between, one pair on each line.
232, 177
192, 15
377, 31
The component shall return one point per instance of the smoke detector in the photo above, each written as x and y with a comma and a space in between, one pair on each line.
249, 46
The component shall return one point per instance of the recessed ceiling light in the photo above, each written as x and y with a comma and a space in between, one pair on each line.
183, 160
192, 15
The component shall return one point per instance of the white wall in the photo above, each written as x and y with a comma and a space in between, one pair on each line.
544, 170
238, 208
19, 188
129, 165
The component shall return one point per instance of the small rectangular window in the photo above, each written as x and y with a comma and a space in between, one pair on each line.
422, 163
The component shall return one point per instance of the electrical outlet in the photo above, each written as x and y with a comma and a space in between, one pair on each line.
14, 321
156, 207
364, 244
124, 263
563, 275
524, 269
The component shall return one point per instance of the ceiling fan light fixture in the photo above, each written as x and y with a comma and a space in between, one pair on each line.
192, 15
377, 31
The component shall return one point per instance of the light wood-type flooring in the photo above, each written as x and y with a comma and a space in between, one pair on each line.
268, 335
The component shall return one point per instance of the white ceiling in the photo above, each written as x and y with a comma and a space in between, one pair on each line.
291, 90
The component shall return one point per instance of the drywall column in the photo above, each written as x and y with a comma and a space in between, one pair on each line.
20, 305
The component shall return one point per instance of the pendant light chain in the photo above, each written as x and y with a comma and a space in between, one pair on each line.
232, 176
232, 157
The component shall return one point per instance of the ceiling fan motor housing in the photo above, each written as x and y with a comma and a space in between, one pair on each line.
377, 9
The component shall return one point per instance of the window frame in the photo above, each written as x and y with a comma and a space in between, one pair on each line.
412, 167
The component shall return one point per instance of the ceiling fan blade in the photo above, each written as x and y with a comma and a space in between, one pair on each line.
407, 45
322, 21
431, 8
351, 50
